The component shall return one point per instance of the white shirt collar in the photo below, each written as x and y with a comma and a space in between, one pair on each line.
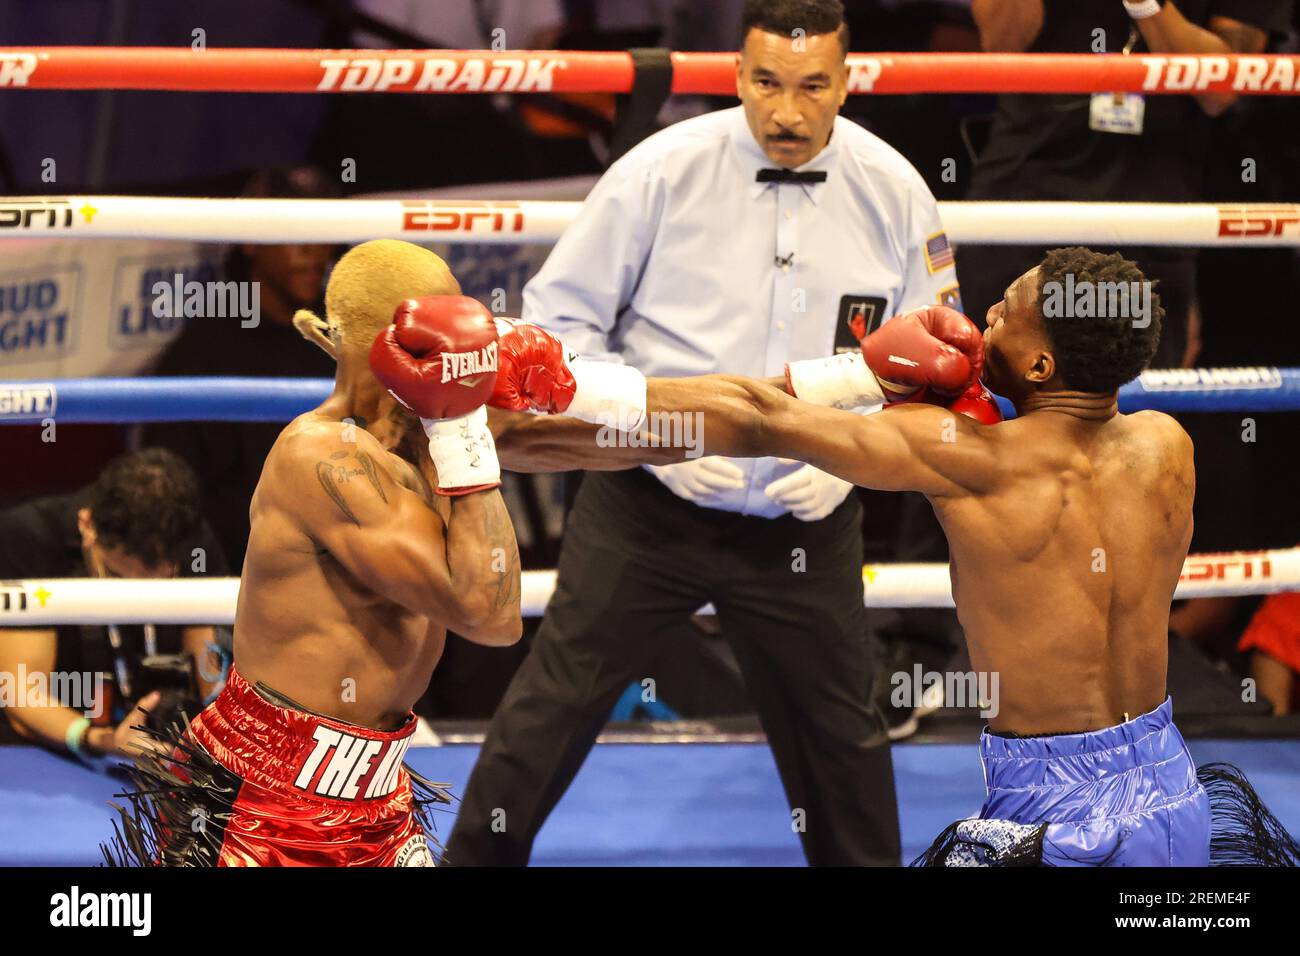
750, 158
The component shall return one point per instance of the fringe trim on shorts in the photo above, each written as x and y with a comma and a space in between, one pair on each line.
429, 798
169, 820
172, 821
1242, 830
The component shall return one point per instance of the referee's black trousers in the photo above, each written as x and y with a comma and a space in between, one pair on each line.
635, 561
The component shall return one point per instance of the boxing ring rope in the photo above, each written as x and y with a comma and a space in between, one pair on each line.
565, 71
213, 601
235, 399
539, 222
38, 603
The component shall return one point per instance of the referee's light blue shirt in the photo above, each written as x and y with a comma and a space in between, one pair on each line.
670, 266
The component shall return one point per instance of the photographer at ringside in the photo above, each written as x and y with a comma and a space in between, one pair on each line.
86, 688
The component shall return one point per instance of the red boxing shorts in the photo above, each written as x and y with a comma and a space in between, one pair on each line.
254, 783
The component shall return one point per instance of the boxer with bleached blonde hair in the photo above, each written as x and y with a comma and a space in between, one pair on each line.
376, 526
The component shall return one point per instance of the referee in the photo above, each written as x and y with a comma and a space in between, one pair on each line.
732, 242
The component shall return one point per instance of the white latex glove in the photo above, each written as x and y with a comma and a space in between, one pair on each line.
700, 480
810, 493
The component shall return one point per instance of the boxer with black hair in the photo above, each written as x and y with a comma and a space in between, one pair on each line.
1068, 528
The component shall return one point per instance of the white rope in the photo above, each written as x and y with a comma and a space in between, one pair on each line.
542, 222
118, 601
38, 603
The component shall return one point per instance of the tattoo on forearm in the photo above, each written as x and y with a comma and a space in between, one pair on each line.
507, 593
371, 472
501, 534
325, 473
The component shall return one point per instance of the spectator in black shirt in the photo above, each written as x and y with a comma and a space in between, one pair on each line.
140, 519
228, 456
1052, 147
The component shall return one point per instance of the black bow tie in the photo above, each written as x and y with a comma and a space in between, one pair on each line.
790, 176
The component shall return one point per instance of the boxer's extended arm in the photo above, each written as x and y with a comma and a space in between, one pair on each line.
462, 573
931, 347
546, 443
908, 448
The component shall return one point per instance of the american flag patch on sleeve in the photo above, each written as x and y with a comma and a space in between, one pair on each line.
938, 253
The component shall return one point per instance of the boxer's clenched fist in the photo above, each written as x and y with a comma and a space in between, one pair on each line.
540, 373
976, 402
439, 357
534, 372
935, 348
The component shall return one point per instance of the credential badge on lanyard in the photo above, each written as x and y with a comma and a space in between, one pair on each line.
1118, 112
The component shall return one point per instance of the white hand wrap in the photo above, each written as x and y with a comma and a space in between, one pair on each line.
840, 381
607, 394
464, 453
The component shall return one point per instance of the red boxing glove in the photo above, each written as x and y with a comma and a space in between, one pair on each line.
539, 373
439, 357
976, 402
935, 347
533, 372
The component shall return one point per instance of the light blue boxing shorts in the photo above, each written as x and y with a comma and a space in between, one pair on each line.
1128, 795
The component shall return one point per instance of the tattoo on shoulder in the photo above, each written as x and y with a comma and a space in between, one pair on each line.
372, 473
325, 473
332, 476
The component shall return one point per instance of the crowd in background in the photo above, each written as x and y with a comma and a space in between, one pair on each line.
1241, 302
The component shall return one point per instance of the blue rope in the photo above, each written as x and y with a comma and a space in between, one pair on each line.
230, 399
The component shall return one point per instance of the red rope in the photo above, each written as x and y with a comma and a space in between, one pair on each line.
481, 71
